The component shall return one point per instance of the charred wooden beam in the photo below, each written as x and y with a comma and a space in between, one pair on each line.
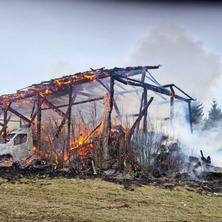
172, 97
143, 77
38, 110
111, 101
77, 103
114, 102
133, 82
33, 109
138, 120
190, 116
141, 106
39, 122
3, 132
166, 86
68, 112
183, 92
19, 115
144, 103
135, 68
171, 108
5, 125
99, 81
54, 108
145, 113
173, 85
152, 78
105, 141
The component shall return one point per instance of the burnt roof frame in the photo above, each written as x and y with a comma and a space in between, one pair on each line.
121, 75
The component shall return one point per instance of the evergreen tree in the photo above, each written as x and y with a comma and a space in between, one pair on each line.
214, 117
196, 113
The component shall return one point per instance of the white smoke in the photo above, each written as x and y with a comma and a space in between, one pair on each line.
185, 62
209, 141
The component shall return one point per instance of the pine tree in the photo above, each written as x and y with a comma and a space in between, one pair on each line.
197, 113
214, 117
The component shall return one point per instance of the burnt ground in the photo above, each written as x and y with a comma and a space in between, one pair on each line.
205, 187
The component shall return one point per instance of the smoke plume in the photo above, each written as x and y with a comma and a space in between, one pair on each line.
185, 62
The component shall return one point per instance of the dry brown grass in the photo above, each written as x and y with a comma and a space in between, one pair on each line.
98, 200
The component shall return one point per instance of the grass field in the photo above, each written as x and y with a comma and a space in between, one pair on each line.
78, 199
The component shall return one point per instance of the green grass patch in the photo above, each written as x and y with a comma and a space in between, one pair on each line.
98, 200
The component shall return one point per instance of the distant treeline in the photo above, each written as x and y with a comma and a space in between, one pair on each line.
213, 119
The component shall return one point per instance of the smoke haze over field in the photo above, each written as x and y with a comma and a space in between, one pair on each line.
185, 62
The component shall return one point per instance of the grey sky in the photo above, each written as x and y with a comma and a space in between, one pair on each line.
40, 40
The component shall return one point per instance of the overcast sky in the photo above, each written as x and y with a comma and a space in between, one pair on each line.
40, 40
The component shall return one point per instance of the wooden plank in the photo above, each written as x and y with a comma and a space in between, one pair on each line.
111, 101
77, 103
5, 128
145, 113
171, 108
141, 106
144, 103
5, 125
131, 131
64, 119
39, 104
172, 97
54, 108
115, 104
103, 85
69, 112
190, 117
133, 82
33, 109
19, 115
39, 122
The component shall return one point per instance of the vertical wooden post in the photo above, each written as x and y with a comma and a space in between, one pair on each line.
142, 99
5, 125
172, 97
69, 117
141, 107
107, 127
145, 114
111, 100
39, 120
171, 108
190, 116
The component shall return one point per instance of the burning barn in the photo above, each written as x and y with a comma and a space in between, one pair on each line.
85, 119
